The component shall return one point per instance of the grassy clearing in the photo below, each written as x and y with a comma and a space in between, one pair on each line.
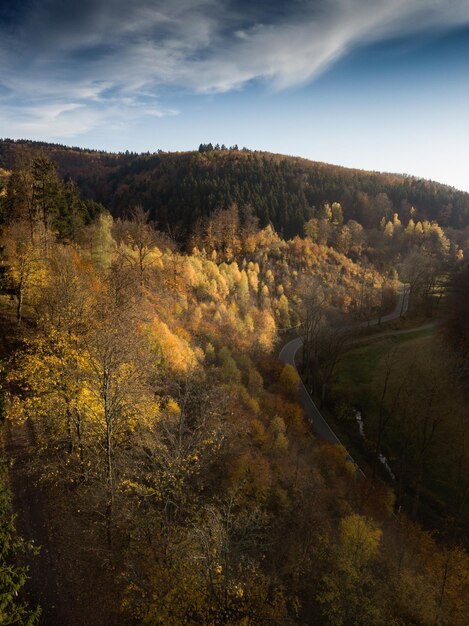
358, 366
419, 362
361, 366
358, 381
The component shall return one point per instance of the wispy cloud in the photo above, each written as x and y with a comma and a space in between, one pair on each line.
66, 65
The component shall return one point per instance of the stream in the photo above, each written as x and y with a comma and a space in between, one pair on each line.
381, 457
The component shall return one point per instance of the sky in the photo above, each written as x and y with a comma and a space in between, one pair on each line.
374, 84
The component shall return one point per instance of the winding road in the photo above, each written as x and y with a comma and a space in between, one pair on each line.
312, 413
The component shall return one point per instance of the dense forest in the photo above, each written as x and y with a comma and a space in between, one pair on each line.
178, 189
159, 457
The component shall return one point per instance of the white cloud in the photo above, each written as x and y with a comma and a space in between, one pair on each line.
98, 54
298, 50
47, 121
67, 120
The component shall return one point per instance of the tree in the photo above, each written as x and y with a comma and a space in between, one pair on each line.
13, 574
289, 381
139, 241
25, 263
337, 215
47, 199
103, 245
349, 592
73, 214
384, 416
418, 271
389, 230
325, 336
318, 230
457, 322
117, 390
325, 212
19, 197
422, 412
174, 452
383, 206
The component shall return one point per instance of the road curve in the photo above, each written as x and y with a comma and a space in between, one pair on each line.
313, 415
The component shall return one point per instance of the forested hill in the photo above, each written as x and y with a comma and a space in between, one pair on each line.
178, 188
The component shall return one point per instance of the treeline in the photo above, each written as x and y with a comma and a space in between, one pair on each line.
209, 147
9, 145
178, 189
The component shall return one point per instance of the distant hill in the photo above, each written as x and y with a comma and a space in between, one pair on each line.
179, 188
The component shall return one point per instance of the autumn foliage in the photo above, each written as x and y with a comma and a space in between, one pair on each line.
166, 432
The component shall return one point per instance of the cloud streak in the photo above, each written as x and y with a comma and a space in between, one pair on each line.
108, 59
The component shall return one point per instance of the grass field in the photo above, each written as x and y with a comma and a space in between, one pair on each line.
360, 365
358, 384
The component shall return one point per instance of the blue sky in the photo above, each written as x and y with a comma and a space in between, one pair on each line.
375, 84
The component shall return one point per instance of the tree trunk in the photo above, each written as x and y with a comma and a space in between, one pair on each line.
418, 490
110, 481
323, 395
19, 305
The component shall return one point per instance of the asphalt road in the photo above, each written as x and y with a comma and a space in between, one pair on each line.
312, 413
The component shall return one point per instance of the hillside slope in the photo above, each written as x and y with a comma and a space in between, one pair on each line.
179, 188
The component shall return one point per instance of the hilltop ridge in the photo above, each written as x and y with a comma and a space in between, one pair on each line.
178, 188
